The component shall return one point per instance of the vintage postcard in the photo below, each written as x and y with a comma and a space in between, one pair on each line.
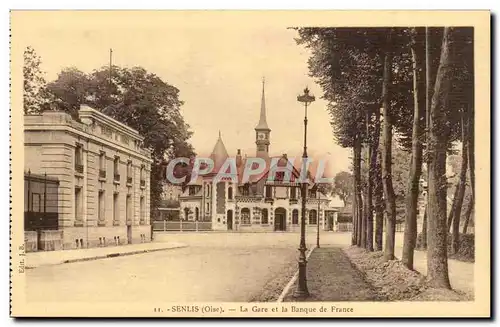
250, 164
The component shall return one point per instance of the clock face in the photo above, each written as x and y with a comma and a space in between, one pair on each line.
261, 136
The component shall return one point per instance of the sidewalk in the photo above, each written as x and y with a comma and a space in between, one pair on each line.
46, 258
331, 277
461, 273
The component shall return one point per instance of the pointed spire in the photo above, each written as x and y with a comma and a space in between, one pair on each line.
219, 153
262, 120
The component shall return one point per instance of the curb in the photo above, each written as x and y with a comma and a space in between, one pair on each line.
293, 279
107, 256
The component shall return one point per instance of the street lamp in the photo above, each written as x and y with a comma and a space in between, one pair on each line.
317, 220
301, 291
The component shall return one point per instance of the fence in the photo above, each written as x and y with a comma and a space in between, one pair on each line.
344, 227
40, 202
191, 226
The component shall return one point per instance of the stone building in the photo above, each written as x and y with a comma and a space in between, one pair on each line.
259, 204
103, 175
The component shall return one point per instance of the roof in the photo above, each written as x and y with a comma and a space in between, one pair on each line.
219, 153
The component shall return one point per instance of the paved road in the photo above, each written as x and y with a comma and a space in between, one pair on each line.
215, 267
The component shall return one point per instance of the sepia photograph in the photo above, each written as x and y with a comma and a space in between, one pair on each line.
250, 164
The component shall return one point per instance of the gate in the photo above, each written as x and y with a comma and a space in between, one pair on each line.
40, 202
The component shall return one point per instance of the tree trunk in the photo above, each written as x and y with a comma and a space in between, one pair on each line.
457, 210
424, 230
369, 187
468, 213
378, 188
410, 233
359, 200
453, 205
354, 238
437, 257
390, 201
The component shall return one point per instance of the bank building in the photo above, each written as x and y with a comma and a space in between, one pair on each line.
86, 182
259, 204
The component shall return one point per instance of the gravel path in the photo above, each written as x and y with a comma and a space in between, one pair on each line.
331, 277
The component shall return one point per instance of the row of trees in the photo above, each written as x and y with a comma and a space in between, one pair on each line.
394, 90
133, 96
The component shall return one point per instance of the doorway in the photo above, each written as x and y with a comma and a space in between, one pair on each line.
230, 220
280, 219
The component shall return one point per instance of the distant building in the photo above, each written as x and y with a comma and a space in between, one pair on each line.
260, 204
103, 177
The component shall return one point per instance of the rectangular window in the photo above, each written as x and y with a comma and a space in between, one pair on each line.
101, 207
142, 177
129, 172
116, 209
192, 190
102, 164
79, 158
142, 213
116, 169
293, 193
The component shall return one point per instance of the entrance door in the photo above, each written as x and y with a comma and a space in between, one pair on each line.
280, 219
230, 220
129, 234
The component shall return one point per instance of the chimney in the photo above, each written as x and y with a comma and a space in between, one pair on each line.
239, 161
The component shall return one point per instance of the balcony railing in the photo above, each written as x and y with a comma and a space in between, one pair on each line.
102, 173
129, 180
294, 201
116, 178
143, 183
79, 168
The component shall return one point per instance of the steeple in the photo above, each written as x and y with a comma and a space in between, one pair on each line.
262, 125
262, 131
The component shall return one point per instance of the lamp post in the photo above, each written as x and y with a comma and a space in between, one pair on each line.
301, 291
317, 221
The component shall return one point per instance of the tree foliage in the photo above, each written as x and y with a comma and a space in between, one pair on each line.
135, 97
33, 82
342, 185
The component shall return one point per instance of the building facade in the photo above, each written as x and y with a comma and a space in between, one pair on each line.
260, 204
103, 174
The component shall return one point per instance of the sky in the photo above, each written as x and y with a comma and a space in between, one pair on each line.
217, 63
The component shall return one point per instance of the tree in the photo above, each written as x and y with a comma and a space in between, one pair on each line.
33, 82
437, 261
137, 98
410, 233
342, 186
389, 196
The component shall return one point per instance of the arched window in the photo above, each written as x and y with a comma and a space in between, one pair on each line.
186, 213
197, 214
295, 217
245, 216
230, 193
265, 217
313, 217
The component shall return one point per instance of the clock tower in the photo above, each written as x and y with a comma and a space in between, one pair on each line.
262, 131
